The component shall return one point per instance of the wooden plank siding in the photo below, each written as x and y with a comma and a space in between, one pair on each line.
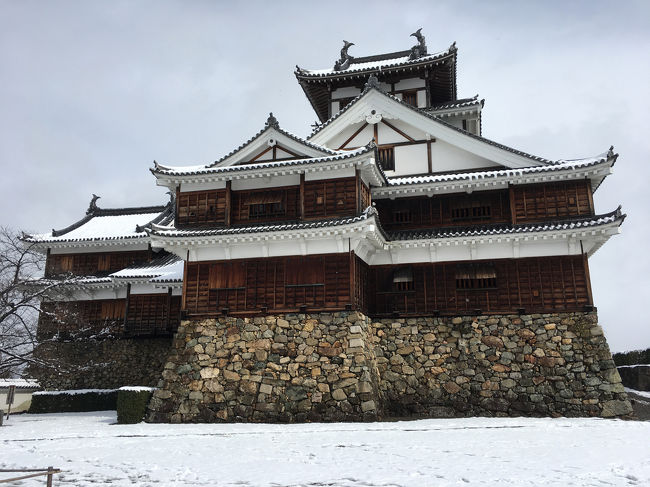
283, 284
445, 210
93, 263
201, 208
329, 198
148, 314
539, 202
152, 314
255, 206
540, 284
520, 204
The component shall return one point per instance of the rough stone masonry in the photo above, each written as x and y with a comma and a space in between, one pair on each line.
346, 367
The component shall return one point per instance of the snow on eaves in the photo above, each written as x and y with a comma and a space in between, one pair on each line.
384, 64
507, 229
166, 269
20, 383
508, 173
211, 169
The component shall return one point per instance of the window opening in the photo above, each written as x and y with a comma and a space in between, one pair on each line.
475, 276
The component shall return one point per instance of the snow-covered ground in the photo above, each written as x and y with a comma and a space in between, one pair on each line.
91, 450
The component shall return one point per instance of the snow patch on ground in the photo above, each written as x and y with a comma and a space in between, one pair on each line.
638, 393
92, 450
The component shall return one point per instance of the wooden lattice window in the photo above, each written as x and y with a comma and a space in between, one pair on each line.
474, 212
475, 277
403, 279
387, 158
402, 216
266, 204
410, 97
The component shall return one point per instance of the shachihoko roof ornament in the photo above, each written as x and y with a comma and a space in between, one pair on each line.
420, 49
92, 207
272, 121
344, 61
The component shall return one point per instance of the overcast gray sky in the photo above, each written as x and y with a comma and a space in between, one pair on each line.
92, 92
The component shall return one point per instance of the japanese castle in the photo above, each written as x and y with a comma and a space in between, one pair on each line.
395, 209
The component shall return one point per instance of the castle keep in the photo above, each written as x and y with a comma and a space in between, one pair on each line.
393, 263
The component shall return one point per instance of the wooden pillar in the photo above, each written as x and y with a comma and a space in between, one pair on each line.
590, 195
376, 133
187, 259
357, 182
169, 310
126, 306
513, 212
585, 261
178, 193
228, 203
429, 160
302, 196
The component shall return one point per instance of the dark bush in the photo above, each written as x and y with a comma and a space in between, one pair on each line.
132, 405
73, 401
634, 357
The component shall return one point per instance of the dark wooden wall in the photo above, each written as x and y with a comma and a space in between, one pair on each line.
149, 314
201, 208
93, 263
539, 202
327, 198
519, 204
542, 284
282, 284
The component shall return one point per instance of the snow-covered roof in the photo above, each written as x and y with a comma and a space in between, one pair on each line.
261, 169
451, 108
594, 168
508, 229
19, 383
372, 64
272, 125
107, 225
169, 231
168, 268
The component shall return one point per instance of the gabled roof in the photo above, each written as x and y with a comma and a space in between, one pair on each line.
500, 153
271, 130
260, 169
453, 107
107, 225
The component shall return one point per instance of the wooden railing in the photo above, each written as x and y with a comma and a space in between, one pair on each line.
39, 472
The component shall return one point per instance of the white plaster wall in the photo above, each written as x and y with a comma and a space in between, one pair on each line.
410, 159
201, 186
345, 134
265, 182
412, 131
345, 92
80, 249
422, 98
446, 157
388, 136
22, 401
329, 174
409, 84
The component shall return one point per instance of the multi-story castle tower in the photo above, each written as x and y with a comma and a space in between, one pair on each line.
395, 261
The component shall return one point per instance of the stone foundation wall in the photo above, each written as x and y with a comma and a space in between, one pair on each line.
102, 364
286, 368
541, 365
345, 366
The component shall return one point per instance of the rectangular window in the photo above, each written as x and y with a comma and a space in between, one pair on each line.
265, 210
471, 277
387, 158
475, 212
410, 97
402, 216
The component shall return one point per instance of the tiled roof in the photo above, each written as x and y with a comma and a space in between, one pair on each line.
371, 64
272, 123
450, 105
101, 224
162, 268
506, 229
481, 175
211, 169
19, 383
261, 228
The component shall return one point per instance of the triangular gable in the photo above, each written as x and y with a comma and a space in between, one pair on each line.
272, 144
375, 114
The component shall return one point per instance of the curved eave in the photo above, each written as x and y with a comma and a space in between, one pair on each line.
165, 237
432, 60
598, 232
490, 180
366, 159
89, 242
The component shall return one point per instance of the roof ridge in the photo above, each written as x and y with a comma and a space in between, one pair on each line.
271, 123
